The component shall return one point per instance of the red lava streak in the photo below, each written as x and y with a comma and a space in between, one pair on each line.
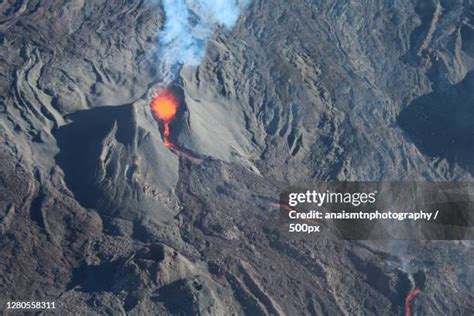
409, 301
164, 106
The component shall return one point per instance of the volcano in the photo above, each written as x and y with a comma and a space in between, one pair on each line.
127, 191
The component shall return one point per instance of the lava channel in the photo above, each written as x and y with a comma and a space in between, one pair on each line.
409, 301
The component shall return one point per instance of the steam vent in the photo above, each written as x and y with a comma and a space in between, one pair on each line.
237, 157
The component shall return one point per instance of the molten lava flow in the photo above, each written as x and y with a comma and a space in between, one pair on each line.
409, 301
164, 106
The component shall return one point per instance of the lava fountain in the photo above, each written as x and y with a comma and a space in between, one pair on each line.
164, 105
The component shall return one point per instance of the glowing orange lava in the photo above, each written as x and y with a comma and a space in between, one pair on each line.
409, 301
164, 106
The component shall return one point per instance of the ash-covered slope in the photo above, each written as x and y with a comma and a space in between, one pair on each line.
99, 216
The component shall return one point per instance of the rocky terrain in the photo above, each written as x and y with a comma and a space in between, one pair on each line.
99, 216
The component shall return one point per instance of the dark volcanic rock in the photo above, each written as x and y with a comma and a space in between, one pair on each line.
440, 123
99, 216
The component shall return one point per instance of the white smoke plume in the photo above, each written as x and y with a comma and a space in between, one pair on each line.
188, 26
